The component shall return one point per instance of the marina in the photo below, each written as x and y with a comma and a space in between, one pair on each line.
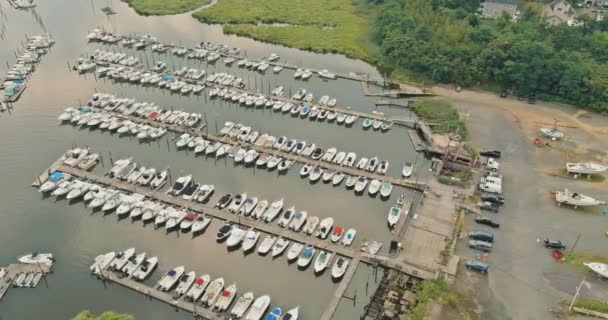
22, 275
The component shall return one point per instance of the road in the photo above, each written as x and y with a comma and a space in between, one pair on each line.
525, 281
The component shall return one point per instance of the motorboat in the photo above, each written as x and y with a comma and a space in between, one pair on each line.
576, 199
325, 227
37, 258
362, 163
88, 162
341, 117
75, 156
251, 238
160, 178
112, 201
323, 260
407, 170
224, 232
372, 164
180, 185
200, 224
328, 175
374, 187
311, 225
184, 283
248, 205
393, 216
585, 168
133, 263
204, 192
63, 188
367, 123
266, 244
272, 212
146, 176
339, 268
197, 289
306, 256
292, 314
191, 191
286, 217
386, 189
102, 261
350, 159
213, 291
224, 201
251, 156
337, 178
315, 174
309, 149
225, 298
236, 237
242, 304
145, 268
382, 167
349, 236
78, 189
351, 181
298, 221
274, 314
284, 165
361, 184
294, 251
99, 199
259, 209
258, 308
279, 247
374, 247
121, 259
317, 153
263, 159
127, 203
188, 221
337, 234
306, 169
598, 267
552, 133
237, 202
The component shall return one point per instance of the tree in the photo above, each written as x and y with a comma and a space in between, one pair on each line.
108, 315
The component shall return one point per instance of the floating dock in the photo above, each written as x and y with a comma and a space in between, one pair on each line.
14, 269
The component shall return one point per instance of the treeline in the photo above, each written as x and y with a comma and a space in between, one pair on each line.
446, 41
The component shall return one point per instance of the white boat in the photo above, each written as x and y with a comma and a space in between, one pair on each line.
306, 169
286, 217
184, 284
170, 278
258, 308
374, 187
248, 205
145, 268
78, 189
260, 209
133, 263
292, 314
350, 159
306, 256
294, 251
407, 170
576, 199
315, 174
325, 227
552, 133
393, 216
54, 180
63, 188
323, 260
197, 289
174, 218
225, 298
337, 233
279, 246
102, 261
339, 268
266, 244
362, 163
251, 238
311, 225
374, 247
585, 168
349, 236
204, 193
386, 189
213, 291
272, 212
298, 221
122, 258
237, 202
236, 237
188, 221
88, 162
180, 184
200, 224
598, 267
327, 75
337, 178
360, 184
242, 304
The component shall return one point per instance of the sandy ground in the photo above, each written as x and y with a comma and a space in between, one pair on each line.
525, 282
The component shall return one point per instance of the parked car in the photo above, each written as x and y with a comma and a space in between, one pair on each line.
504, 94
482, 235
532, 98
494, 199
492, 164
488, 206
490, 153
487, 221
476, 265
554, 244
492, 179
490, 187
480, 245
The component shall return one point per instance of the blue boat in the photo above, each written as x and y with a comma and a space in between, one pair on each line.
305, 110
275, 314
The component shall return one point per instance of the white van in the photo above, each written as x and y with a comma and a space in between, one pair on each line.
490, 187
492, 164
494, 180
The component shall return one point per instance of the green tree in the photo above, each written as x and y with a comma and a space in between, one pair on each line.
108, 315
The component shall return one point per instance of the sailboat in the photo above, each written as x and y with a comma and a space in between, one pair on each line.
576, 199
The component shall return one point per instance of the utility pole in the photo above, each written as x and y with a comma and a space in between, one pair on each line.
575, 243
578, 290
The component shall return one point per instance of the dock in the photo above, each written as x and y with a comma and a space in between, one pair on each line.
393, 103
398, 230
14, 269
339, 293
167, 298
408, 183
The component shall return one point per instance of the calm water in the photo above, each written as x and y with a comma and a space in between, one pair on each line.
32, 139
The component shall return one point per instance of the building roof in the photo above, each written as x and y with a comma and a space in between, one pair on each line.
505, 2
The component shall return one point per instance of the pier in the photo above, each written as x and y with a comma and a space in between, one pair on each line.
14, 269
408, 183
167, 298
399, 228
339, 293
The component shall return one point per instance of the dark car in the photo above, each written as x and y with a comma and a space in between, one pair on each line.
504, 94
490, 153
488, 206
554, 244
487, 221
482, 235
532, 98
494, 199
480, 245
478, 266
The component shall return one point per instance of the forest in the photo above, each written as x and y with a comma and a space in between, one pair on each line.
447, 41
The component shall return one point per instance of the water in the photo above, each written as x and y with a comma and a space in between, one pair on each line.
32, 139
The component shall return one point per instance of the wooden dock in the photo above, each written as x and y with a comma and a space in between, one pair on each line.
339, 293
14, 269
399, 228
167, 298
408, 183
419, 145
393, 103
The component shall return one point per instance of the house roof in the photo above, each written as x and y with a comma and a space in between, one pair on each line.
505, 2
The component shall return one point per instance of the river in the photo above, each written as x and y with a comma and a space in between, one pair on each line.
32, 138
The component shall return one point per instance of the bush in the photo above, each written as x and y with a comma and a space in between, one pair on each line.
441, 115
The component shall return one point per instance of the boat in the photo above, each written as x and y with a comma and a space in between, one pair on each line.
133, 263
160, 178
386, 189
339, 268
317, 153
324, 227
349, 236
386, 125
374, 187
121, 259
236, 237
294, 251
306, 169
237, 202
393, 216
337, 178
377, 124
274, 209
248, 205
279, 246
362, 163
407, 170
145, 268
372, 164
350, 159
242, 304
374, 247
258, 308
274, 314
328, 175
284, 165
598, 267
315, 174
266, 244
311, 225
213, 291
327, 75
360, 184
367, 123
197, 289
286, 217
251, 238
204, 193
576, 199
337, 234
53, 181
585, 168
224, 232
225, 298
260, 209
88, 162
552, 133
322, 261
298, 221
273, 162
306, 256
382, 167
78, 189
188, 221
200, 224
180, 185
63, 188
102, 261
146, 176
292, 314
37, 258
184, 283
